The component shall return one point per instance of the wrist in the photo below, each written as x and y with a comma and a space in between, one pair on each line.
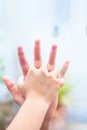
38, 99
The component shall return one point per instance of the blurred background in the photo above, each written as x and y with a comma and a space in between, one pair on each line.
61, 22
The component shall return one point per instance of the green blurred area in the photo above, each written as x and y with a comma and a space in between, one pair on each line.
7, 112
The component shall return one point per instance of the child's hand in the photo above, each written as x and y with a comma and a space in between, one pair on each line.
41, 83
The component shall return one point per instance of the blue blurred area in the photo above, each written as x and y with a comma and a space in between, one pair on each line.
61, 11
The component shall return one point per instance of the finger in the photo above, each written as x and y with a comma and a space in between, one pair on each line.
13, 90
63, 69
23, 61
52, 57
60, 82
37, 54
43, 70
20, 82
53, 73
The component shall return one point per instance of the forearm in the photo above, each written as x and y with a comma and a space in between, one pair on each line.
30, 115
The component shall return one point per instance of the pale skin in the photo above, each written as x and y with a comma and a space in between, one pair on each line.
18, 97
37, 99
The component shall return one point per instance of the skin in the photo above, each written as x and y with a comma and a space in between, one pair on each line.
18, 97
37, 99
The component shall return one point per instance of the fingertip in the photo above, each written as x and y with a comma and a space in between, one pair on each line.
5, 77
19, 47
20, 50
54, 47
37, 42
6, 80
67, 62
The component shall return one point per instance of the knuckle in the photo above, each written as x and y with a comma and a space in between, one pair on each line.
31, 71
42, 72
51, 77
61, 83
